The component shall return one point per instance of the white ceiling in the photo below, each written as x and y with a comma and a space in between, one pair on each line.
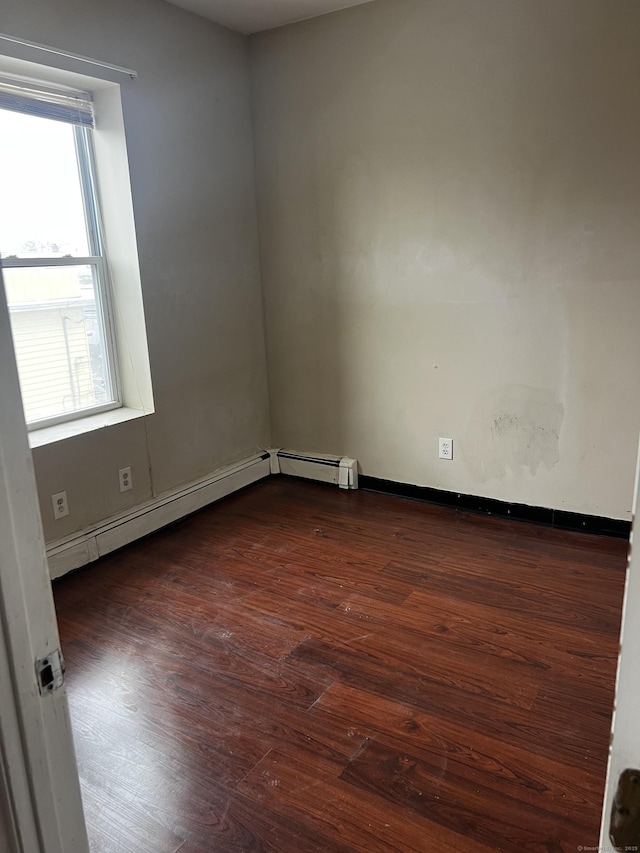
252, 16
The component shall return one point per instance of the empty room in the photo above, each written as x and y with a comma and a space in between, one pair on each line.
319, 418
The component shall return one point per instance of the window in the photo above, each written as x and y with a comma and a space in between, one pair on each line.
51, 247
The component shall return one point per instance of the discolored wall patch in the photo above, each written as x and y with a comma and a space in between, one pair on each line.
514, 429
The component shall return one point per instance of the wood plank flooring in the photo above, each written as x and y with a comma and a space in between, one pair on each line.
299, 669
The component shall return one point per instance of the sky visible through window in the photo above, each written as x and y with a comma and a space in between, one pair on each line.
58, 333
41, 211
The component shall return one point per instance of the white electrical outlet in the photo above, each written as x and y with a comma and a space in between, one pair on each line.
445, 448
60, 505
126, 480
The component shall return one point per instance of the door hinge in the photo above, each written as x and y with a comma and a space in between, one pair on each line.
50, 672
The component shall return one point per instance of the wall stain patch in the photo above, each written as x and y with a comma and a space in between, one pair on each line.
517, 429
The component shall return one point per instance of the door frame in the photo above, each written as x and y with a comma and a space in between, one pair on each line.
39, 783
624, 749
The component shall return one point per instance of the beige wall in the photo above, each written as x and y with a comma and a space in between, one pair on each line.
449, 208
188, 124
449, 200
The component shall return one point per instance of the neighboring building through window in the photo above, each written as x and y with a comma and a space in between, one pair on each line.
54, 269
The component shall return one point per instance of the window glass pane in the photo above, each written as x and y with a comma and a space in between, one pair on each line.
41, 208
58, 339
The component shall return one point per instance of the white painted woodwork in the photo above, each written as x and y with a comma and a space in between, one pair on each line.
625, 745
40, 770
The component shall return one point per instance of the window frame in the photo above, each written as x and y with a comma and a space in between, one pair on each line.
97, 260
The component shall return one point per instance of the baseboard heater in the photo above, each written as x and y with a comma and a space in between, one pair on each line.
340, 470
96, 541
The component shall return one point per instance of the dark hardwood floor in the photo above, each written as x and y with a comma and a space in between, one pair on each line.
299, 669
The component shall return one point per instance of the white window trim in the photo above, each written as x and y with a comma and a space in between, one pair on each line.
102, 289
108, 86
80, 426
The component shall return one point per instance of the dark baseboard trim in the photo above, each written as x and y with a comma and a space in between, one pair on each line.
521, 512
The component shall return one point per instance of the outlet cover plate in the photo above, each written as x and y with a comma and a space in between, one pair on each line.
445, 448
126, 481
60, 505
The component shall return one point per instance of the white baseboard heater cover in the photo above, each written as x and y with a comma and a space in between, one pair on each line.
341, 470
94, 542
81, 548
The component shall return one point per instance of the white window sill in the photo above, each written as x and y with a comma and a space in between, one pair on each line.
58, 432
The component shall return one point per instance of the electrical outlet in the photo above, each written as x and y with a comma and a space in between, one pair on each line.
445, 448
60, 505
126, 480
